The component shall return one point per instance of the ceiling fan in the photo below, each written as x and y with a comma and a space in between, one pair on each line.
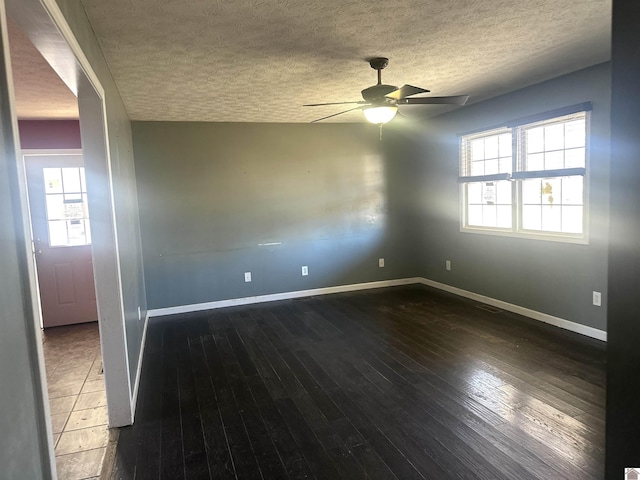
381, 101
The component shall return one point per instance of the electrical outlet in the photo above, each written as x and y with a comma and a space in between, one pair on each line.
447, 264
305, 270
247, 277
597, 299
381, 262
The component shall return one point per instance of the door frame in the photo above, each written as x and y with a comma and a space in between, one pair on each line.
36, 305
45, 25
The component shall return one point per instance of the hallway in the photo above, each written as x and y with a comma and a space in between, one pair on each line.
77, 399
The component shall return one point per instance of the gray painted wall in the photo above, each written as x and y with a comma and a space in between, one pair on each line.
212, 195
550, 277
23, 445
124, 186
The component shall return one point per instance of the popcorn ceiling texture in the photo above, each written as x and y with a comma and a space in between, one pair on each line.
39, 92
260, 60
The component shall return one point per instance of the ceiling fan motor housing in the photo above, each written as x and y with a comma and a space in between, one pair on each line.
376, 93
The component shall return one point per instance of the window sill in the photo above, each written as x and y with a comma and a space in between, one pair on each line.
546, 237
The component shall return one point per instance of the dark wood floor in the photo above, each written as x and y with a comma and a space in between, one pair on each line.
405, 383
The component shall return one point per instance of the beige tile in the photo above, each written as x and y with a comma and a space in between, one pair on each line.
91, 417
62, 404
96, 368
64, 389
81, 465
93, 386
80, 440
57, 421
56, 437
91, 400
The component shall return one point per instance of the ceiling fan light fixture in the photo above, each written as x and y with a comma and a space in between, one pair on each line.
381, 114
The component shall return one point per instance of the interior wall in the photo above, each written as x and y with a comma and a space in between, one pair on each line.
49, 134
219, 200
623, 352
549, 277
24, 448
124, 186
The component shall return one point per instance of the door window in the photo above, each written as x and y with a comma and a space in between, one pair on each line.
67, 213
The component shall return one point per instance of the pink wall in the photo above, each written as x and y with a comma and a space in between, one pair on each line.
49, 134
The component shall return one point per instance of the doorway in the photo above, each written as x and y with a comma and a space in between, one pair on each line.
44, 24
61, 235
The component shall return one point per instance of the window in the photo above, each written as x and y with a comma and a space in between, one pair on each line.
527, 178
66, 201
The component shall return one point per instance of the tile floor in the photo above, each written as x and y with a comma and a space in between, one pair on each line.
77, 399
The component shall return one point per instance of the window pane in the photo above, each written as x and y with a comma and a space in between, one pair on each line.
535, 140
55, 207
477, 149
491, 167
489, 204
535, 162
505, 146
531, 192
489, 193
486, 155
572, 190
489, 216
491, 147
554, 137
572, 219
474, 215
574, 134
504, 192
531, 217
75, 229
71, 180
57, 233
574, 158
554, 160
477, 168
504, 216
551, 218
551, 191
505, 164
52, 180
474, 193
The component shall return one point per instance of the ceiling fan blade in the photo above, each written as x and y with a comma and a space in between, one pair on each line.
332, 103
405, 91
455, 100
336, 114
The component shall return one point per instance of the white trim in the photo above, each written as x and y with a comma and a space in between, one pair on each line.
134, 397
280, 296
60, 22
65, 30
525, 312
50, 152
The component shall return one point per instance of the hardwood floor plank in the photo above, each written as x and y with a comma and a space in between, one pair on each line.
395, 383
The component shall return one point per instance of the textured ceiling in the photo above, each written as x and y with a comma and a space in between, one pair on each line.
40, 94
260, 60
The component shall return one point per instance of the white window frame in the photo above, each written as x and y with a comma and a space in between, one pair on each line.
518, 174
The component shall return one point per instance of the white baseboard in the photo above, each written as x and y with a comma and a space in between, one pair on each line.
526, 312
134, 397
280, 296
